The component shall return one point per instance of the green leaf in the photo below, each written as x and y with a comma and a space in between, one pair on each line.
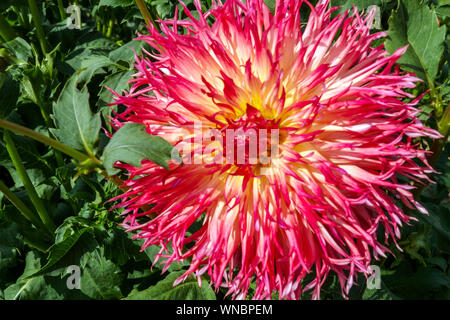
11, 243
116, 3
77, 126
152, 251
443, 11
132, 144
416, 25
69, 227
9, 91
360, 4
443, 8
164, 290
126, 52
408, 282
165, 9
120, 247
23, 229
117, 82
439, 218
58, 251
20, 48
91, 66
100, 277
271, 4
96, 45
89, 59
34, 288
379, 294
437, 261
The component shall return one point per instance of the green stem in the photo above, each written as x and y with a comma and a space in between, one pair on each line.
6, 31
145, 13
38, 24
47, 140
23, 175
58, 146
22, 207
45, 115
62, 11
110, 27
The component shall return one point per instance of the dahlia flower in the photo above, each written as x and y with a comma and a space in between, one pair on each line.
338, 172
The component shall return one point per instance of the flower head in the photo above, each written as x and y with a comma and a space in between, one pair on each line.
344, 145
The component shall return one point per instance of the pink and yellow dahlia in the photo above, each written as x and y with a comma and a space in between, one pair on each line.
345, 146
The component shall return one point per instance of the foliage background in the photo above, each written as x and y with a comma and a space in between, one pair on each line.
50, 76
